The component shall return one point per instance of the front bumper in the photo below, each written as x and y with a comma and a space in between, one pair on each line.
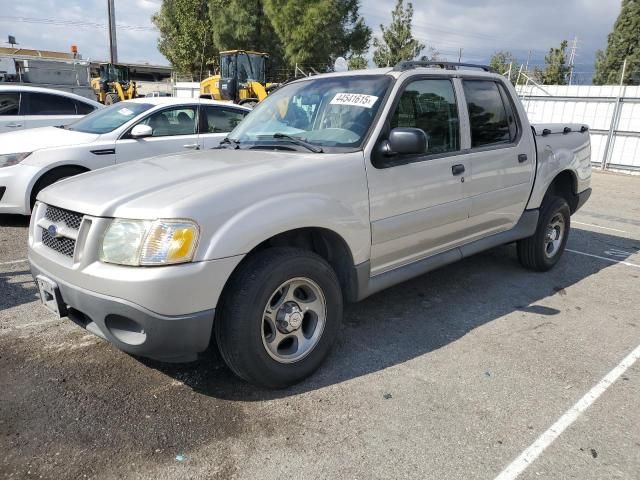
132, 328
17, 180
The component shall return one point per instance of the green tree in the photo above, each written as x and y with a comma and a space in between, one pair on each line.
503, 60
556, 69
397, 43
314, 32
357, 62
242, 25
185, 35
623, 44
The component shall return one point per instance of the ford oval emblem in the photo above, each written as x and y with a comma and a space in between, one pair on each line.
53, 230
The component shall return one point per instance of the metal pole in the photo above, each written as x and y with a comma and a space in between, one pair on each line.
519, 74
615, 120
113, 42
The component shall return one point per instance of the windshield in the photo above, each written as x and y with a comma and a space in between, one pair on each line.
109, 118
328, 112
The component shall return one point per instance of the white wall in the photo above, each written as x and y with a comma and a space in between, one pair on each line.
594, 106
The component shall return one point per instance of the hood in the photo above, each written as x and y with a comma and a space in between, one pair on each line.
169, 185
33, 139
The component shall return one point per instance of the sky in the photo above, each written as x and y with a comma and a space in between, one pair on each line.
479, 27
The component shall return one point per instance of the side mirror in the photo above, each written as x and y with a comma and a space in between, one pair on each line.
141, 131
405, 141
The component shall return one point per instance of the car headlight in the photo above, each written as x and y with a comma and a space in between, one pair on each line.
146, 242
8, 159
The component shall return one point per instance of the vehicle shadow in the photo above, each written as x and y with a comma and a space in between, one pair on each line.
14, 220
422, 315
16, 292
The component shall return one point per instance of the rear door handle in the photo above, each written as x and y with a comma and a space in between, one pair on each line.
14, 125
192, 146
457, 169
522, 158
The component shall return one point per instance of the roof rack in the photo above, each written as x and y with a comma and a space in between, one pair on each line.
408, 65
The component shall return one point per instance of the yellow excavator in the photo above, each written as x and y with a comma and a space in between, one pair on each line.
113, 84
242, 78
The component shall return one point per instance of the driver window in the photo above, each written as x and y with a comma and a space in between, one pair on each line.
172, 121
430, 105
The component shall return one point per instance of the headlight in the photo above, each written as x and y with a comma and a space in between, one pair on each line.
145, 242
9, 159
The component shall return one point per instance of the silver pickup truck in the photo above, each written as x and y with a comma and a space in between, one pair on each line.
333, 188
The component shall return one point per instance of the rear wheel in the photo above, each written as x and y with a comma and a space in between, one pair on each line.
111, 98
544, 248
279, 316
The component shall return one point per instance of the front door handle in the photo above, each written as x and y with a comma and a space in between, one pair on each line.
14, 125
192, 146
522, 158
457, 169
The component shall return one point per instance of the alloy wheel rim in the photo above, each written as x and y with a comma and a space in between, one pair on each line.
554, 235
293, 320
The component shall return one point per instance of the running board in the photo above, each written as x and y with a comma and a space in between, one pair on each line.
367, 285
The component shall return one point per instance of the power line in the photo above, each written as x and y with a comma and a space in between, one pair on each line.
74, 23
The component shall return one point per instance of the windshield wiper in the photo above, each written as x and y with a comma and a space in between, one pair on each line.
298, 141
230, 141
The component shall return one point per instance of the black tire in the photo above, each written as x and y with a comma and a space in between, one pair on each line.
533, 252
52, 177
239, 317
111, 98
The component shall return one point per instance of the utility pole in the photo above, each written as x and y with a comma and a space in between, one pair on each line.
460, 56
113, 42
572, 59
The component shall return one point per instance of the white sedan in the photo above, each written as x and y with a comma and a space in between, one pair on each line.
31, 160
24, 106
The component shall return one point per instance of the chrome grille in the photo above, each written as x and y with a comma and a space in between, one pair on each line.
60, 215
63, 245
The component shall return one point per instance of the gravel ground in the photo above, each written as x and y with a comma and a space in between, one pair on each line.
449, 376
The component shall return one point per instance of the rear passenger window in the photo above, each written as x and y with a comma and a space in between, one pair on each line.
83, 108
9, 103
430, 105
490, 114
222, 120
47, 104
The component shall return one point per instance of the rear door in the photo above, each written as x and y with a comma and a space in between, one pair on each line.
216, 123
501, 158
418, 203
48, 109
11, 117
174, 131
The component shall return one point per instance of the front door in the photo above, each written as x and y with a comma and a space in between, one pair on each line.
418, 203
174, 131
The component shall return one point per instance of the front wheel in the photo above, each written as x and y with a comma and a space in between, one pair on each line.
544, 248
279, 316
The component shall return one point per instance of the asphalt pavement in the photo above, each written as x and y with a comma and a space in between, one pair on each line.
452, 375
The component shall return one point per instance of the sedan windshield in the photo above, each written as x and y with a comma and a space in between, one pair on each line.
328, 112
108, 119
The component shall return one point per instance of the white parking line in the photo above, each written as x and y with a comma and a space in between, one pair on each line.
527, 457
599, 226
628, 264
23, 260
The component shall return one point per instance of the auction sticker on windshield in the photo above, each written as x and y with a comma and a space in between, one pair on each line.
125, 111
354, 99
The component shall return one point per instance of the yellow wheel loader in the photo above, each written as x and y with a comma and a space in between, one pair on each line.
113, 84
242, 78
